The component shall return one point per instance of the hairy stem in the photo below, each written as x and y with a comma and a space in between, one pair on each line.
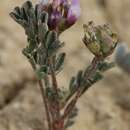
78, 93
46, 104
55, 86
33, 64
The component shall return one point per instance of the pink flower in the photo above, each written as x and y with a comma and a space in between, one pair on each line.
62, 13
74, 12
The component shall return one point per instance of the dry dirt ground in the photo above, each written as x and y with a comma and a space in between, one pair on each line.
105, 106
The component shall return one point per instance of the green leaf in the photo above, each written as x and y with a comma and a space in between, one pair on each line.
42, 32
17, 10
26, 53
27, 6
41, 72
44, 17
49, 92
72, 83
37, 11
79, 77
51, 38
104, 66
60, 61
32, 45
97, 77
24, 14
55, 47
52, 43
15, 16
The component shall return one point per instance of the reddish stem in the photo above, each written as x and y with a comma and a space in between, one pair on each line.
78, 93
46, 105
33, 64
56, 107
58, 125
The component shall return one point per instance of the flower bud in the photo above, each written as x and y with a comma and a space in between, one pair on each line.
100, 40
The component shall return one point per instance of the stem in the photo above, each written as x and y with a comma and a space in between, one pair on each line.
33, 64
78, 93
45, 103
70, 106
55, 85
59, 125
93, 69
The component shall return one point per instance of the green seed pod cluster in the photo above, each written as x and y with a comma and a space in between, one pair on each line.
100, 40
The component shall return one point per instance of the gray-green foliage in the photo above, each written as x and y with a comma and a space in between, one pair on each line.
42, 43
81, 81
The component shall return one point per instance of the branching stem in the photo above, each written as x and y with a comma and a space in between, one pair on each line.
78, 93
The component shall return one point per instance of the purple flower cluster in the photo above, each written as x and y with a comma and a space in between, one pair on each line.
62, 13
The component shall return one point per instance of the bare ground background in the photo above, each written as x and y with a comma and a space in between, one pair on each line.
105, 106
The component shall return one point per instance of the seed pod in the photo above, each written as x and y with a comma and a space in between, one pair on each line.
60, 61
100, 40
